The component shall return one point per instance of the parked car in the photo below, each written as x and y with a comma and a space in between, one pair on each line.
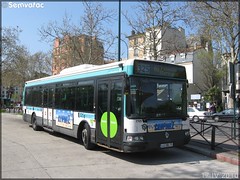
196, 114
225, 115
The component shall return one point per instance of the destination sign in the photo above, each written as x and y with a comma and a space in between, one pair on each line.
159, 69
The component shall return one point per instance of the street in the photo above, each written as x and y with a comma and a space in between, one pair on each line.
40, 154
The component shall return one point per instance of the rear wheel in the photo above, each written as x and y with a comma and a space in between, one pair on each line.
34, 124
86, 134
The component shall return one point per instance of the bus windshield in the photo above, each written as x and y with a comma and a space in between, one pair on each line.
156, 98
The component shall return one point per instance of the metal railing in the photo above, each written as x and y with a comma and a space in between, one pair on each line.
219, 134
13, 110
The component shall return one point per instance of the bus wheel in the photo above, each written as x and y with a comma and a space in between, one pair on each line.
34, 124
86, 137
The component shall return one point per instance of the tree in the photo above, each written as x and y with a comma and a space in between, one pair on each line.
218, 20
18, 66
40, 64
157, 18
210, 72
87, 43
213, 94
211, 76
94, 23
14, 55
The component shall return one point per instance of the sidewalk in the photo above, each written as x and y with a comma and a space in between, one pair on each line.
227, 152
226, 155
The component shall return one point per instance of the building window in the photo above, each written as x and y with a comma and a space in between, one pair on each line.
136, 52
172, 57
135, 41
144, 50
183, 55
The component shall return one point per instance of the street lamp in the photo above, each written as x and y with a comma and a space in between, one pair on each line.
119, 30
119, 39
126, 46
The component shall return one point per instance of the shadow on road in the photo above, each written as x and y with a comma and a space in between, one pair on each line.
164, 156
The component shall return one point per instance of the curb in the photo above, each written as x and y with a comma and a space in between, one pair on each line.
221, 156
226, 158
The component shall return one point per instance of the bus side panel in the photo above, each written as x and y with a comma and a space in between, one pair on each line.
28, 111
26, 117
78, 117
86, 117
66, 131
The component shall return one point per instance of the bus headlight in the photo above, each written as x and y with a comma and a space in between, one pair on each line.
129, 138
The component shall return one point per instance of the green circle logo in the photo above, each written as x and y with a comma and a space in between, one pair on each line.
113, 125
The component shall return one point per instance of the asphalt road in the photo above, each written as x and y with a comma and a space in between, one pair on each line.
30, 154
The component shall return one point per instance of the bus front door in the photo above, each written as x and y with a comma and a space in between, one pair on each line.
47, 107
109, 103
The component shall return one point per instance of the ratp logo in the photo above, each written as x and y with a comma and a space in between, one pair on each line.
15, 5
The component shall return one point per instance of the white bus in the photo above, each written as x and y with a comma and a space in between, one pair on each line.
128, 106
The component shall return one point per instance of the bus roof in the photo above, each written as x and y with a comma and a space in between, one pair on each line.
83, 71
88, 70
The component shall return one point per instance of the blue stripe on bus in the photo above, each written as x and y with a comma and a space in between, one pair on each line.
86, 115
34, 108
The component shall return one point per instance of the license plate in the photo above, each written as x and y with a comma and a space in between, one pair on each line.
166, 145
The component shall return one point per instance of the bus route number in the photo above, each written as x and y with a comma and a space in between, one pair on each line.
144, 69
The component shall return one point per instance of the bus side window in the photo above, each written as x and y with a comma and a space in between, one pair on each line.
84, 98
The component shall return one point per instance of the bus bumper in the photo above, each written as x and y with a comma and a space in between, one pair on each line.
155, 140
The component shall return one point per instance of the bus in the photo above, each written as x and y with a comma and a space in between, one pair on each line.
128, 106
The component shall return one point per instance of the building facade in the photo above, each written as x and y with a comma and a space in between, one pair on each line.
156, 42
75, 50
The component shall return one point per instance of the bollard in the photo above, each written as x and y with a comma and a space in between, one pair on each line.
213, 138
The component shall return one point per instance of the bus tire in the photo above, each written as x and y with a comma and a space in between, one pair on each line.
86, 134
34, 124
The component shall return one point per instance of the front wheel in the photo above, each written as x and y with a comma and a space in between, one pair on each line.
86, 134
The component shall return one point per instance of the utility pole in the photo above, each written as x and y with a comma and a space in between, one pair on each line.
119, 30
232, 91
237, 92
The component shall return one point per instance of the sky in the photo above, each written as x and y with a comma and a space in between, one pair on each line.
36, 14
30, 19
